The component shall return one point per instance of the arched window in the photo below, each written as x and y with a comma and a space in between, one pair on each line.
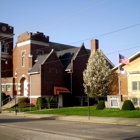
23, 59
4, 47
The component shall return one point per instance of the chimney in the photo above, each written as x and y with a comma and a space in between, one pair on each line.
94, 44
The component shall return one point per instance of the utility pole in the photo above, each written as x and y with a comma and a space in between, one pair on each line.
0, 78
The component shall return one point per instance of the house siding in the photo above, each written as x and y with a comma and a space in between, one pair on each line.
126, 81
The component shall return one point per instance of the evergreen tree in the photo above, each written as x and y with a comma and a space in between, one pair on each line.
97, 75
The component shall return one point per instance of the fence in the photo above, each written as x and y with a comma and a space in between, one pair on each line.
31, 107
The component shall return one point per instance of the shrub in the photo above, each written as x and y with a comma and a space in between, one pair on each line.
50, 100
23, 100
3, 97
128, 105
24, 105
101, 105
40, 102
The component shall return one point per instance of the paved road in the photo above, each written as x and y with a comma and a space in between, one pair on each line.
21, 128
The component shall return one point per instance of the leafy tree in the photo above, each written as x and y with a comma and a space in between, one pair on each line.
97, 75
40, 102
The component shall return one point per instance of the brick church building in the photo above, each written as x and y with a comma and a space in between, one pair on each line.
37, 67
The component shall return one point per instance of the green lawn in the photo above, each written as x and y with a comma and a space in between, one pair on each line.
83, 111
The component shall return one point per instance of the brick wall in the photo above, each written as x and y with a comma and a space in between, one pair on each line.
79, 64
35, 85
52, 74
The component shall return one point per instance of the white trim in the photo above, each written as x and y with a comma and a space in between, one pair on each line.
32, 42
5, 35
69, 70
35, 96
33, 72
23, 51
7, 84
5, 55
47, 56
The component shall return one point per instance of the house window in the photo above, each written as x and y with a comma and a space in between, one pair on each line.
40, 52
135, 101
134, 85
4, 47
7, 87
23, 59
2, 87
138, 85
80, 101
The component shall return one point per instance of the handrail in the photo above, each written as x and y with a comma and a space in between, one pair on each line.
6, 100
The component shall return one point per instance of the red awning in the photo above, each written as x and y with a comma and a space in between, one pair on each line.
58, 90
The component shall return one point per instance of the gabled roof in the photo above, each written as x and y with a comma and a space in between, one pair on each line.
66, 56
40, 60
130, 59
111, 64
59, 47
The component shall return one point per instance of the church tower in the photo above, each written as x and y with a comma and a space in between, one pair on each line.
6, 43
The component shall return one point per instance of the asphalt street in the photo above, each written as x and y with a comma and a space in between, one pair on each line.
23, 128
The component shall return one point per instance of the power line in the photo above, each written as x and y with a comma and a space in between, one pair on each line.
108, 33
47, 48
74, 11
77, 57
77, 19
97, 35
107, 8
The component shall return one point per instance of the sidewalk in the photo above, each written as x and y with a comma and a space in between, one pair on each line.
105, 120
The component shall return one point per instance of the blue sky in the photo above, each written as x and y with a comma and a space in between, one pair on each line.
115, 23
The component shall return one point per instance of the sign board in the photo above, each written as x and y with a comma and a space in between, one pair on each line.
114, 102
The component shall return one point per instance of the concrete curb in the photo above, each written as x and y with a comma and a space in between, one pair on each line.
104, 120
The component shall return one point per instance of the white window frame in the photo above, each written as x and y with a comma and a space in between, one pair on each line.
8, 87
2, 87
23, 59
114, 102
133, 86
